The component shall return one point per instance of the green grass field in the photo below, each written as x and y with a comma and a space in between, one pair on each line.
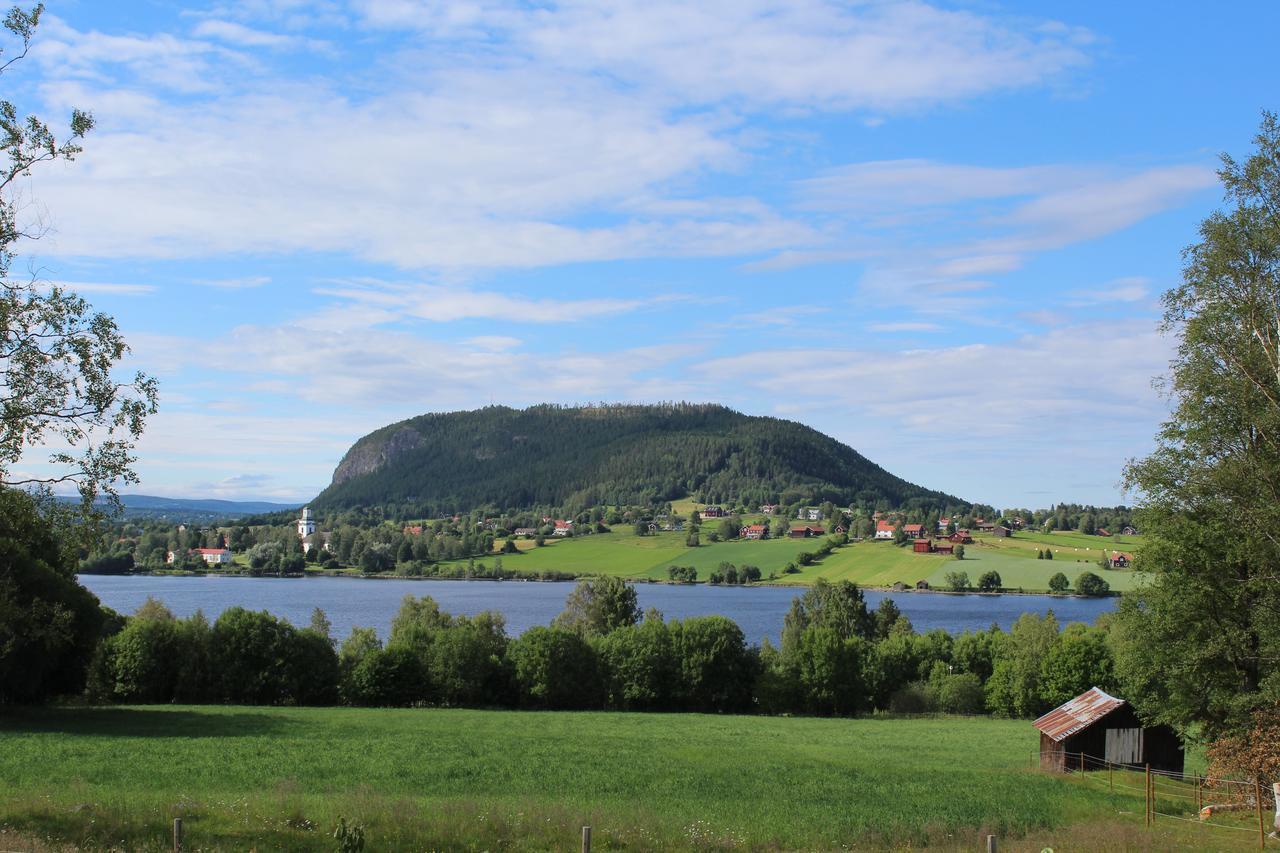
271, 778
872, 564
880, 564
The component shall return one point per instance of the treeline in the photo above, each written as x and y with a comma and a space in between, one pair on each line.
575, 458
836, 657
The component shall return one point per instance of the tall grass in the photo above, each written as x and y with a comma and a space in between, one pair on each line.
445, 779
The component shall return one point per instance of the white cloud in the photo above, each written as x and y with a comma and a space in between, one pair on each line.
1104, 206
941, 227
468, 171
162, 60
903, 327
386, 300
242, 283
874, 186
1053, 385
107, 288
881, 56
242, 36
1120, 290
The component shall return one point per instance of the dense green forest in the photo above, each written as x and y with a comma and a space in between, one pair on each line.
607, 455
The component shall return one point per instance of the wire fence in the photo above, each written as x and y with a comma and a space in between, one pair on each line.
1189, 797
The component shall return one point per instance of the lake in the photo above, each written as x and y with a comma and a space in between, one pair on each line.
372, 603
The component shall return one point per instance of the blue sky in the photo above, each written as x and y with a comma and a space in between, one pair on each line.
938, 232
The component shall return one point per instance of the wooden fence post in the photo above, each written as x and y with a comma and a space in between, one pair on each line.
1082, 761
177, 835
1111, 776
991, 844
1150, 806
586, 839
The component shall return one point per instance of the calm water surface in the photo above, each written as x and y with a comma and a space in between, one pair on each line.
373, 603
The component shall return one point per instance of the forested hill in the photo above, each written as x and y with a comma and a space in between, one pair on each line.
571, 458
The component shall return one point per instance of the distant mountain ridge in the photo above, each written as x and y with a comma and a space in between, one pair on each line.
194, 509
570, 457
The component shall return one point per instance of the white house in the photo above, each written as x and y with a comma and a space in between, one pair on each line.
212, 556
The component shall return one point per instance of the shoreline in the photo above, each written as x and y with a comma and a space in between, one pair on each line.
576, 578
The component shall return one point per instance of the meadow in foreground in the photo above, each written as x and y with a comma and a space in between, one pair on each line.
275, 778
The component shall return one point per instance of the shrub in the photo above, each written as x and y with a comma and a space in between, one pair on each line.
716, 669
912, 699
393, 677
1090, 584
958, 581
960, 694
262, 660
555, 669
989, 582
1059, 582
639, 665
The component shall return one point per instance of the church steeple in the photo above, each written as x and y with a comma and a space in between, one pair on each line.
306, 524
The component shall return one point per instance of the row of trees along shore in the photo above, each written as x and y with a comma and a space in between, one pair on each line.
836, 658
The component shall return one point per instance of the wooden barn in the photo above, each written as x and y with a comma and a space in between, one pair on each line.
1104, 729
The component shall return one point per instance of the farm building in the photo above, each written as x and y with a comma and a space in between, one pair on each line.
961, 537
806, 532
1001, 532
754, 531
922, 546
913, 531
1103, 728
944, 548
1119, 560
922, 584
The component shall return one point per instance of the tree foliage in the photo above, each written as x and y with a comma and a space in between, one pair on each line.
1211, 489
49, 624
58, 357
598, 606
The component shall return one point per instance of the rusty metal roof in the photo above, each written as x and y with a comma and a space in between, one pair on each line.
1080, 712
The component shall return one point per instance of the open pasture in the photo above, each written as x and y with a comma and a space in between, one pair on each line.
869, 563
274, 778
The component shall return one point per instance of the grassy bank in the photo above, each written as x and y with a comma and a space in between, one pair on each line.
420, 779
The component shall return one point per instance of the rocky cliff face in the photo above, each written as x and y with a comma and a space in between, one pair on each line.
376, 451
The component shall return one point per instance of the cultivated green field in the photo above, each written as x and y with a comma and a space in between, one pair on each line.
272, 778
880, 564
871, 564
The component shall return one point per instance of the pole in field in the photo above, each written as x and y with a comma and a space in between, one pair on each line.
991, 844
1150, 816
586, 839
177, 835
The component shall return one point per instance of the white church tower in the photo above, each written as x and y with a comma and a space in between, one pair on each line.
306, 524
